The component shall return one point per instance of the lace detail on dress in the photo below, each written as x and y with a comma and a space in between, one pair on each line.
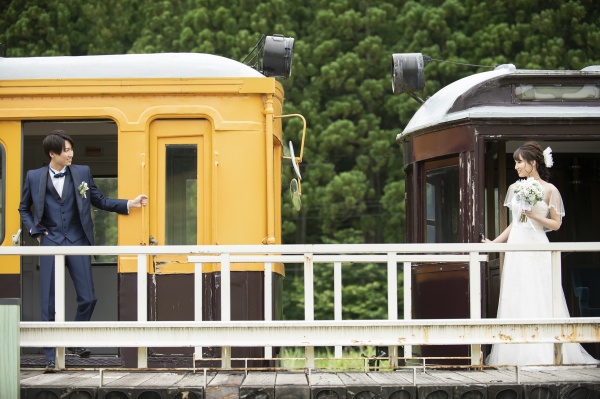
554, 199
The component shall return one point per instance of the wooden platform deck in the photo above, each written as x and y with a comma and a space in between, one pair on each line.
567, 383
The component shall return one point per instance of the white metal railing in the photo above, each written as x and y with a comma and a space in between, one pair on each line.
308, 333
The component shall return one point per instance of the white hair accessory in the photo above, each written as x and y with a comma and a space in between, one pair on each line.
548, 157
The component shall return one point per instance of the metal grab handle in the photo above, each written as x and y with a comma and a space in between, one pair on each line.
298, 159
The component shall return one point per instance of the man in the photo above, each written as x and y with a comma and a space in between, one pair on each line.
61, 195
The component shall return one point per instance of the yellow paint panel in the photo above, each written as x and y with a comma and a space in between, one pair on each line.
10, 188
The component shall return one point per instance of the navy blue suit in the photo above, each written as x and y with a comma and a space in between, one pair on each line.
67, 220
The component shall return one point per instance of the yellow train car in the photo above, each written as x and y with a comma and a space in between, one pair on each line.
200, 134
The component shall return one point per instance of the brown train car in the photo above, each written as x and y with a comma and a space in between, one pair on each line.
458, 162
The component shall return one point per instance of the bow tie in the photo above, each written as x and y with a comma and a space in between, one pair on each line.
57, 175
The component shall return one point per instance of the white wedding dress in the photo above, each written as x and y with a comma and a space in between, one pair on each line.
526, 288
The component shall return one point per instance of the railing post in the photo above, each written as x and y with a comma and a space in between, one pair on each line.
198, 293
142, 304
392, 282
225, 304
337, 300
557, 299
59, 302
10, 361
407, 281
475, 300
309, 304
268, 301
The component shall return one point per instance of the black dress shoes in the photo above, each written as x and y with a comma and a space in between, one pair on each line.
81, 352
50, 367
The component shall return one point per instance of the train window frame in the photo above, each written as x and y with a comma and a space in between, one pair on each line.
433, 165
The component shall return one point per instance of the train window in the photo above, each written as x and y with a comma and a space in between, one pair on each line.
442, 204
105, 223
181, 202
557, 92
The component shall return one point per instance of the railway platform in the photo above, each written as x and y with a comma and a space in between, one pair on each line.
409, 383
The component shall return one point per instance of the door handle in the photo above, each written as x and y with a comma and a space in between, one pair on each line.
153, 241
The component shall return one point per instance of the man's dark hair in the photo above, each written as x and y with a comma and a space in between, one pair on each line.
55, 142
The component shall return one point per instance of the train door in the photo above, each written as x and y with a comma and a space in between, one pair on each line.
10, 188
496, 215
440, 290
178, 151
95, 146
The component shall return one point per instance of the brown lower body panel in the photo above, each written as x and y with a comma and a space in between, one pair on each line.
171, 298
10, 286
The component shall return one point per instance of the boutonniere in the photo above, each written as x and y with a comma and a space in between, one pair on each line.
83, 187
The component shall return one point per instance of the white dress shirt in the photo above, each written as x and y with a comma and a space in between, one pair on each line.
58, 182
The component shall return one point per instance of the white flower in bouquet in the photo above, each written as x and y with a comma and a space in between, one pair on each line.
528, 193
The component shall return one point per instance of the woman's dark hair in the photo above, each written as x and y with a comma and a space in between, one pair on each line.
55, 142
531, 151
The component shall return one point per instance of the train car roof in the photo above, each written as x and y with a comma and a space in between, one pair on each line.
125, 66
441, 108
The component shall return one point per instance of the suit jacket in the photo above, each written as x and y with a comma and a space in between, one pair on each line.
47, 217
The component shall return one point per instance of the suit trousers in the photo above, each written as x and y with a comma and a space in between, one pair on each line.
80, 270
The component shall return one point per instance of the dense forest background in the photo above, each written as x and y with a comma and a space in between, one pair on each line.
353, 180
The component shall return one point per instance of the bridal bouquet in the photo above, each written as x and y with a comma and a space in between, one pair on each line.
528, 192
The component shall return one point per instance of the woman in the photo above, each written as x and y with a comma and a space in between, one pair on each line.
526, 285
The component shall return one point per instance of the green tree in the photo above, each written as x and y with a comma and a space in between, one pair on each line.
71, 27
339, 85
